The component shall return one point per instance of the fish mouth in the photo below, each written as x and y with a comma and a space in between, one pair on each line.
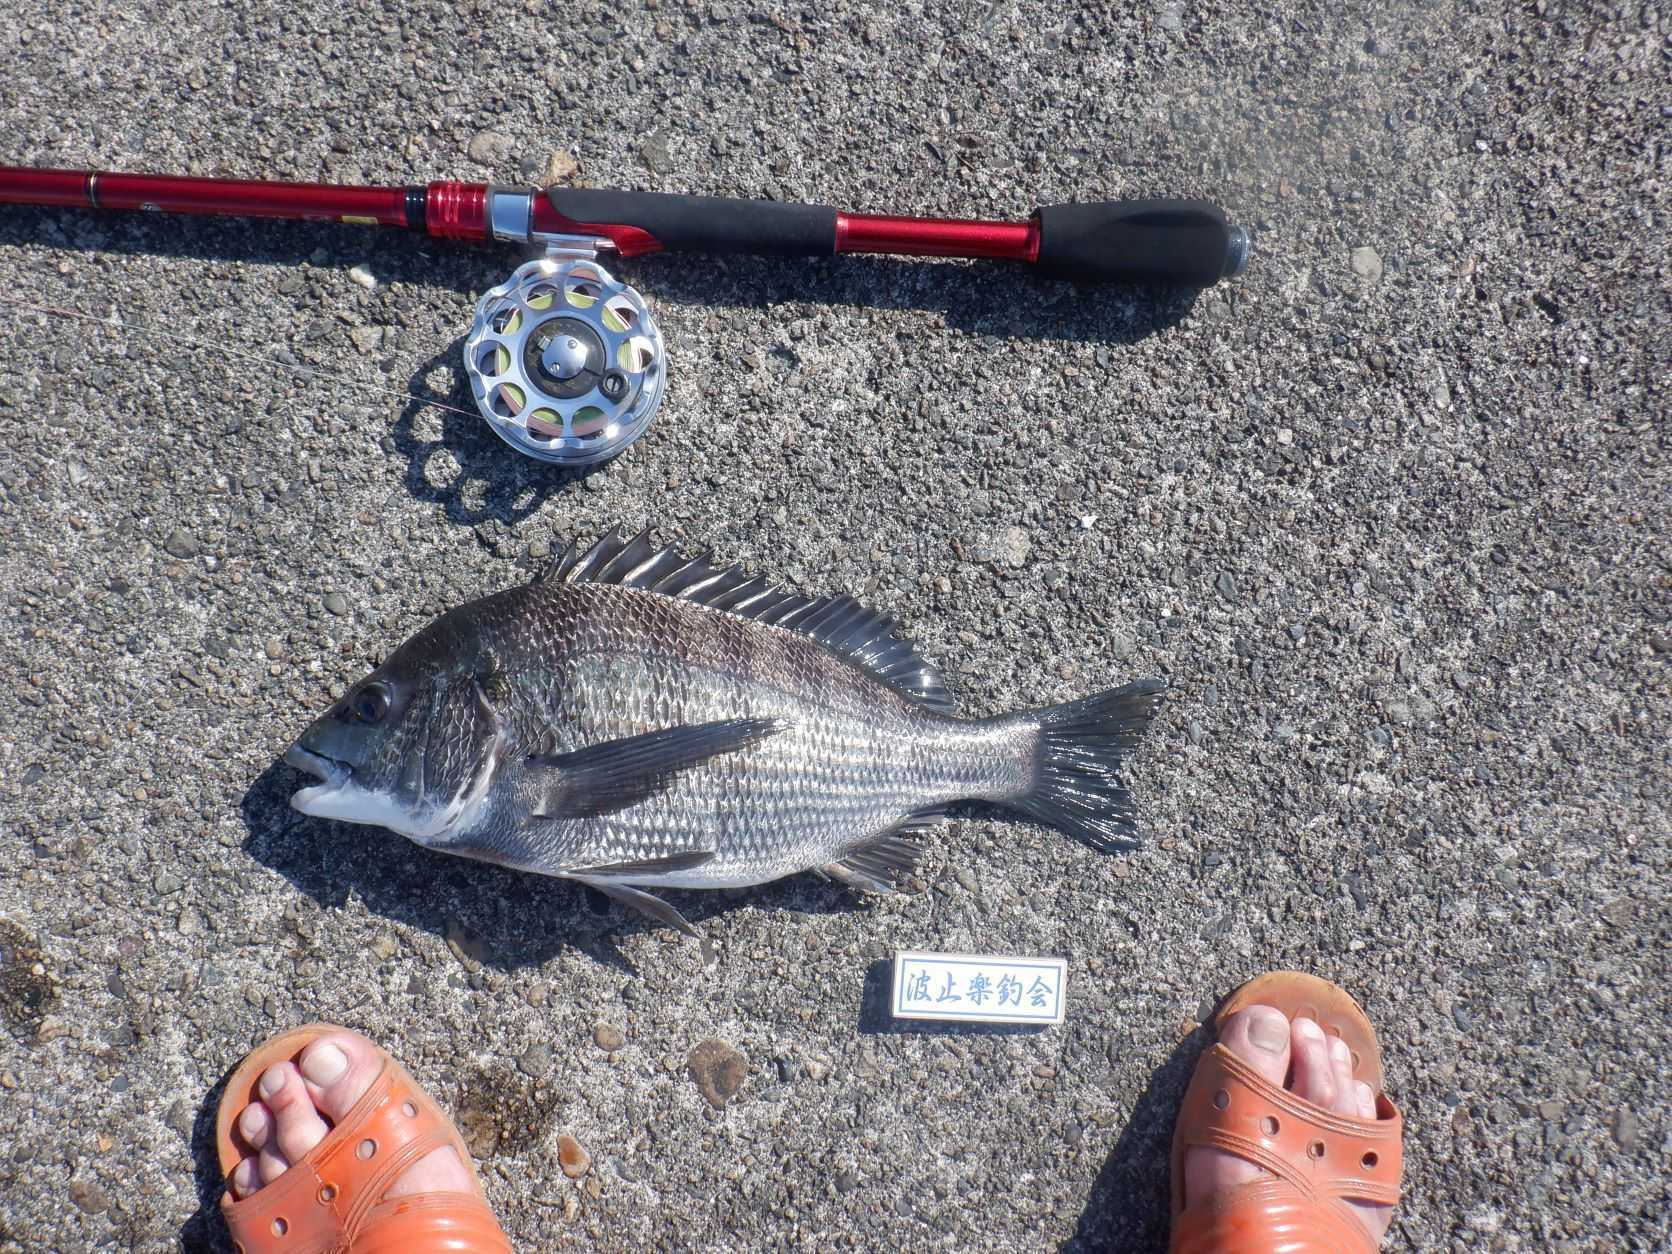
331, 773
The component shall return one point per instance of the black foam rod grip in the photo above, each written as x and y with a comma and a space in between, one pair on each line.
1185, 243
707, 224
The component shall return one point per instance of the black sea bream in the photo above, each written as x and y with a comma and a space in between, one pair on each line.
636, 718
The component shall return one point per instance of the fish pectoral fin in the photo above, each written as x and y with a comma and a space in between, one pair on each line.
688, 860
604, 778
638, 899
880, 864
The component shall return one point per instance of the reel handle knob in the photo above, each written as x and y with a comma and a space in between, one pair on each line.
1184, 243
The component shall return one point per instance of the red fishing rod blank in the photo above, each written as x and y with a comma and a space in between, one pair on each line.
1180, 242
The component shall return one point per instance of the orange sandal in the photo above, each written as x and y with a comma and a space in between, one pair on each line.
333, 1198
1231, 1107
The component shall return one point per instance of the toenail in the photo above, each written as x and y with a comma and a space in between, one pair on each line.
325, 1064
272, 1080
1338, 1050
1308, 1030
1269, 1032
252, 1121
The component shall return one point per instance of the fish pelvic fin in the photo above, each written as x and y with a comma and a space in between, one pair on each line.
866, 638
647, 904
1082, 745
879, 864
617, 774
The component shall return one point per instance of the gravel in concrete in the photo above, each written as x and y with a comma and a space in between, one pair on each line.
1391, 512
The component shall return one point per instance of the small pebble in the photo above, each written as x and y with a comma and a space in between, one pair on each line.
718, 1071
558, 166
572, 1157
656, 153
336, 602
608, 1038
1367, 264
488, 148
1009, 547
362, 275
180, 543
1626, 1127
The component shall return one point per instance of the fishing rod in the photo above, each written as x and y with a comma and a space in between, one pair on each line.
565, 361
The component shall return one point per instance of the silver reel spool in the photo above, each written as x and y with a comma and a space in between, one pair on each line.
565, 361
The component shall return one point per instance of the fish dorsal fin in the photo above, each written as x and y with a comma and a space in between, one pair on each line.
839, 623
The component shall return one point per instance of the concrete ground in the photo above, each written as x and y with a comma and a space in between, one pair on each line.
1390, 512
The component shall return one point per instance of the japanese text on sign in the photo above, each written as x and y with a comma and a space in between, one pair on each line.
989, 988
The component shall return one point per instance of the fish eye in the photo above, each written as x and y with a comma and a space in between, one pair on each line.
371, 703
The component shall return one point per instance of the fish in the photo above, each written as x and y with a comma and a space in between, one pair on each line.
636, 718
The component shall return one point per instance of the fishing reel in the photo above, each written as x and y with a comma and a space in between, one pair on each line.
565, 360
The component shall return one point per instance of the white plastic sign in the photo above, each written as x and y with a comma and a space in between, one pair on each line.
983, 988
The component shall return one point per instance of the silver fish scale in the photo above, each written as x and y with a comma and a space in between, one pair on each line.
594, 663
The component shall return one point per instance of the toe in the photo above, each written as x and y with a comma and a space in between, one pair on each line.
245, 1178
1259, 1035
271, 1164
255, 1125
1366, 1101
297, 1127
339, 1068
1314, 1074
1346, 1088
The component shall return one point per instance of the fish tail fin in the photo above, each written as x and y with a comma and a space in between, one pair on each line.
1082, 744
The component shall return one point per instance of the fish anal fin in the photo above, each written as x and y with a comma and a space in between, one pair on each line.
616, 774
860, 882
880, 864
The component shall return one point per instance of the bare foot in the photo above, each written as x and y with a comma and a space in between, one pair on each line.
298, 1107
1322, 1074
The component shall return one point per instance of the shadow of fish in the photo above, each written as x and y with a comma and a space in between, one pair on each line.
636, 718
